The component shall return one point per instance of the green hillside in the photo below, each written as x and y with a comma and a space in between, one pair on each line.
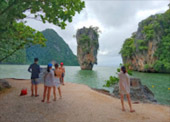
55, 50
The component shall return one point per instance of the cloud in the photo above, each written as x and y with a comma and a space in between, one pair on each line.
116, 19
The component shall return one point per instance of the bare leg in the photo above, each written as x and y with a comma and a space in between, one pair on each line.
59, 91
32, 90
122, 101
36, 88
129, 102
44, 94
62, 80
54, 93
48, 94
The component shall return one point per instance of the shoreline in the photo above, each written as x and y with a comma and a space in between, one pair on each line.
102, 91
79, 104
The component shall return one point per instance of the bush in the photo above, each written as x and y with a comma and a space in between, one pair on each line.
113, 79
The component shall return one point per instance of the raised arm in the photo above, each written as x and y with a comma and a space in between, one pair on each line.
128, 79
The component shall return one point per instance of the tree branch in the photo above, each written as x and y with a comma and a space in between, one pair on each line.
19, 47
8, 7
34, 18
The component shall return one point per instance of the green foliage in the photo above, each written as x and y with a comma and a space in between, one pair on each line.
15, 36
113, 79
19, 57
142, 45
128, 48
96, 30
148, 31
53, 11
148, 67
163, 50
85, 41
84, 38
163, 54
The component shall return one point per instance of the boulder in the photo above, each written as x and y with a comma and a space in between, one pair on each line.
4, 84
137, 91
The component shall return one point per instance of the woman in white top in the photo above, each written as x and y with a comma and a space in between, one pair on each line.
57, 73
124, 88
48, 82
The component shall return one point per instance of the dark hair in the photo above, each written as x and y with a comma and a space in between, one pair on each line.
56, 65
123, 68
35, 59
48, 68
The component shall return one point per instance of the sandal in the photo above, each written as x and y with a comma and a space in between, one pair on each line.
123, 110
42, 100
54, 99
36, 95
132, 111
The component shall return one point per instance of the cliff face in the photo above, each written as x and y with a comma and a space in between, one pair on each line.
148, 49
87, 47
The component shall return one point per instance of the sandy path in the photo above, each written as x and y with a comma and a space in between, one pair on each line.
79, 104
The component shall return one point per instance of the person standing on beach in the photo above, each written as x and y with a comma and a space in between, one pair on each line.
124, 88
57, 73
34, 69
48, 83
63, 72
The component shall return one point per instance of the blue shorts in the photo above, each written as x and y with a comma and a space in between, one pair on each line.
34, 81
62, 75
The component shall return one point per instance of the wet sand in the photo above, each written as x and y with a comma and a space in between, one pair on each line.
79, 104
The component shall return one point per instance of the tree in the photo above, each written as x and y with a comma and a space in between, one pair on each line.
14, 35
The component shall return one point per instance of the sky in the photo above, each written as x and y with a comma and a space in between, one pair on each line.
117, 19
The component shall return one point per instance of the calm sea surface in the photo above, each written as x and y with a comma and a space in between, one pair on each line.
157, 82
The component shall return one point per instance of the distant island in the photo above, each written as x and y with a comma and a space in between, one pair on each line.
55, 50
148, 49
87, 47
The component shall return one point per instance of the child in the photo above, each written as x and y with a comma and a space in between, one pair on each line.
57, 73
63, 73
34, 69
48, 82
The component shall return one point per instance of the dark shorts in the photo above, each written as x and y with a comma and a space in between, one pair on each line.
34, 81
62, 75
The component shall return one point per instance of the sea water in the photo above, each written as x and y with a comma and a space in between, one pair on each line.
158, 83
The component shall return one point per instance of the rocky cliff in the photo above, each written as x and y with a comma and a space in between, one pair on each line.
148, 49
87, 47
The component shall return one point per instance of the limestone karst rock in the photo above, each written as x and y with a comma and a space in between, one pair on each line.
87, 47
147, 50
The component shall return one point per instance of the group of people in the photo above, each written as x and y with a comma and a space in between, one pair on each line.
52, 79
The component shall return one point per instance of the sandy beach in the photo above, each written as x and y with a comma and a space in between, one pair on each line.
79, 104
